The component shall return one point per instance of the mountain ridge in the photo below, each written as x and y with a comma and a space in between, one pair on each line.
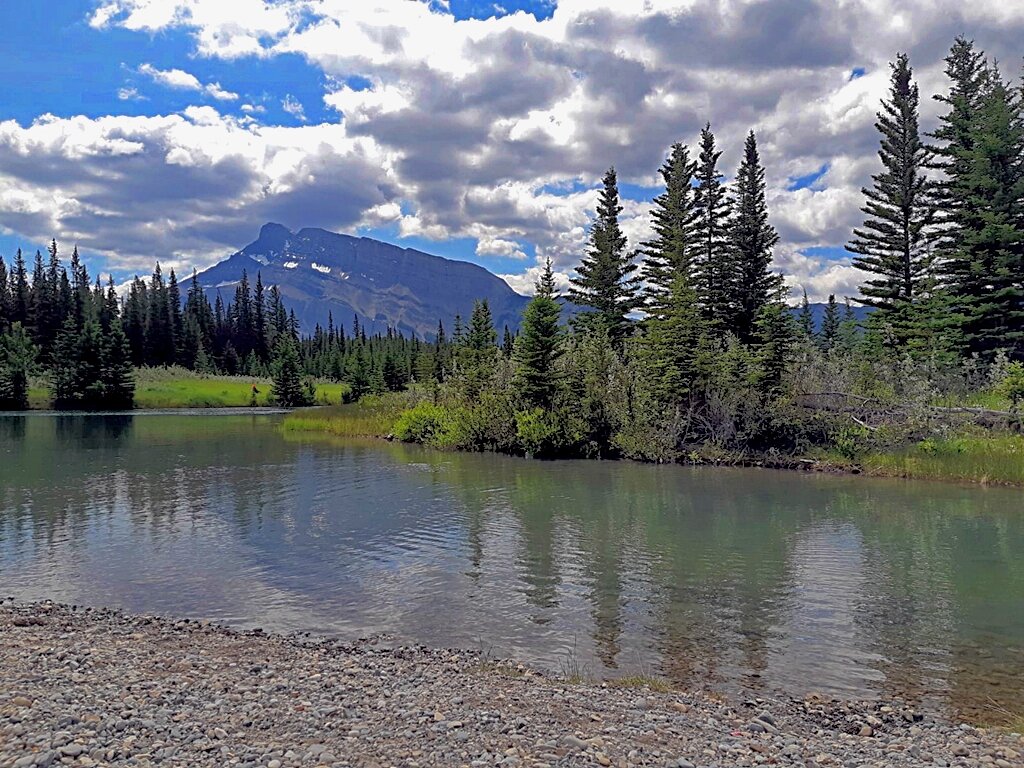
322, 273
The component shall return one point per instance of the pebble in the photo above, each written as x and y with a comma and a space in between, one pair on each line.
96, 687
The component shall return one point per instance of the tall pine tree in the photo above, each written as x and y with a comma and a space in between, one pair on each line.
674, 325
537, 346
892, 245
716, 276
604, 280
752, 239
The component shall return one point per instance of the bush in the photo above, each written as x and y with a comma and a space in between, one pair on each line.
536, 432
1011, 385
850, 442
420, 424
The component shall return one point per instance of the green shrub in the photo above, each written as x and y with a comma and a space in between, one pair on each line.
420, 424
850, 442
536, 431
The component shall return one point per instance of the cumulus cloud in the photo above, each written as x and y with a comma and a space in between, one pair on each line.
182, 80
115, 184
500, 129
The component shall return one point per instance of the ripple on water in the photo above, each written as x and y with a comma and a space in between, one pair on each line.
734, 580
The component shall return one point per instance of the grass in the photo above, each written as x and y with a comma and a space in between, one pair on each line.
157, 388
372, 416
993, 458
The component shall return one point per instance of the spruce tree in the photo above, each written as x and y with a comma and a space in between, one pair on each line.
893, 244
717, 277
6, 306
479, 350
159, 349
508, 343
287, 390
17, 362
968, 75
985, 266
830, 325
174, 320
117, 375
773, 345
604, 280
674, 248
19, 290
537, 346
674, 326
752, 239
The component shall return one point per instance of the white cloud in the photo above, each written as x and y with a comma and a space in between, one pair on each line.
293, 107
130, 94
182, 80
496, 246
500, 129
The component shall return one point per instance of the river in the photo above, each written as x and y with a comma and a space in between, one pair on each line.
733, 580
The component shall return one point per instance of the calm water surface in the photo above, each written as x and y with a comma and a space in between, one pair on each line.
734, 580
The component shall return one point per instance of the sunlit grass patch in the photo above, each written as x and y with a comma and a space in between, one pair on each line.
984, 458
372, 416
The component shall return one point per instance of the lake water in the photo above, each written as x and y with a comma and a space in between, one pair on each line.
732, 580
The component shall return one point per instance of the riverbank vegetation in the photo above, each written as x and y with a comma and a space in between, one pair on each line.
694, 356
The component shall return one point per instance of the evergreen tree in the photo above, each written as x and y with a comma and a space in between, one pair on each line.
752, 239
17, 362
805, 318
116, 374
773, 345
604, 279
6, 305
717, 277
893, 243
19, 290
159, 337
537, 346
674, 248
508, 343
968, 75
478, 352
674, 325
287, 390
174, 319
849, 332
830, 325
985, 260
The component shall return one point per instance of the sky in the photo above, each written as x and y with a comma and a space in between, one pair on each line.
171, 130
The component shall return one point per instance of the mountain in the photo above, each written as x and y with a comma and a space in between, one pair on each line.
320, 272
861, 313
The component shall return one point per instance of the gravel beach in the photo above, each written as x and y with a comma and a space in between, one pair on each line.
97, 687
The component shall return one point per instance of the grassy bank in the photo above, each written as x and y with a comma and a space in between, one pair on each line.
373, 416
981, 457
158, 388
987, 458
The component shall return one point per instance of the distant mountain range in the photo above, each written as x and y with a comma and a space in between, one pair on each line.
818, 312
322, 273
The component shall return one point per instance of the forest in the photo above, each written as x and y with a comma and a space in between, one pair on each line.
683, 345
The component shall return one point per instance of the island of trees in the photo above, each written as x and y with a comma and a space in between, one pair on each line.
678, 347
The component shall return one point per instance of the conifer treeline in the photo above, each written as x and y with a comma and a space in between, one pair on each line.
943, 237
87, 340
718, 358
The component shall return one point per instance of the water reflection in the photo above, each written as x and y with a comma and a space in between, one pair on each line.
726, 579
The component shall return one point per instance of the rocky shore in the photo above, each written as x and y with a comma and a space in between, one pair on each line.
96, 687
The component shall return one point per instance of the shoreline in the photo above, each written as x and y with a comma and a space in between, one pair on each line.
88, 687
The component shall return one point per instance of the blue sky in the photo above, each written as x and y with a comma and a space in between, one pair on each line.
475, 130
